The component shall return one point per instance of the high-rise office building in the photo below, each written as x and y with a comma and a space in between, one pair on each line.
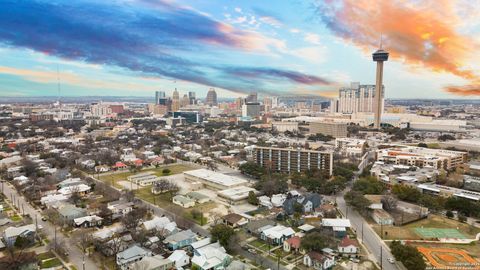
239, 103
158, 96
175, 101
211, 97
356, 98
185, 101
191, 96
253, 97
287, 160
267, 102
379, 56
251, 109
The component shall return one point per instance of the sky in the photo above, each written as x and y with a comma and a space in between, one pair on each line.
273, 47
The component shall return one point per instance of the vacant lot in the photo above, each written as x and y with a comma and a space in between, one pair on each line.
114, 178
410, 232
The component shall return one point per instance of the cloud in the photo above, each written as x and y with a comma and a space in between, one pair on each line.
271, 73
42, 76
466, 90
156, 38
416, 32
312, 38
268, 17
316, 54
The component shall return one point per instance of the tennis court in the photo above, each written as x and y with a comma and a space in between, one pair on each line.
439, 233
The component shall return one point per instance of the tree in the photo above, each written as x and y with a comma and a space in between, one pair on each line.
463, 206
314, 241
449, 214
411, 258
368, 185
357, 200
462, 218
424, 145
166, 171
132, 219
252, 198
222, 233
406, 193
252, 169
389, 202
161, 186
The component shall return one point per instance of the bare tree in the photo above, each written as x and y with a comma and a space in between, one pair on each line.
161, 186
389, 202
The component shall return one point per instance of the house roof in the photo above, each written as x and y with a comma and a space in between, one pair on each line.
316, 256
294, 242
69, 210
180, 236
336, 222
346, 241
232, 218
132, 253
16, 231
306, 227
156, 222
177, 255
92, 218
201, 243
210, 256
278, 232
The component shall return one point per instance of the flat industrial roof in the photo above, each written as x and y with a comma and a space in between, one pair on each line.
216, 178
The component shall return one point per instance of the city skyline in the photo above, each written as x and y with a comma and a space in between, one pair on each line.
138, 47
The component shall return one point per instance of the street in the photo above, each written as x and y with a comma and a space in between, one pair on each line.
75, 255
366, 234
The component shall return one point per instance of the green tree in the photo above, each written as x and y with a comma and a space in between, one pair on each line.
252, 169
411, 258
357, 200
406, 193
463, 206
424, 145
368, 185
222, 233
314, 242
252, 198
166, 171
449, 214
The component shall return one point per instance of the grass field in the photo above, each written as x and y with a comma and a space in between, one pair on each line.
112, 179
453, 228
49, 263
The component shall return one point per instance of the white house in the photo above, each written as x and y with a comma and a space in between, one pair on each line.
318, 261
348, 246
276, 234
180, 258
183, 201
11, 233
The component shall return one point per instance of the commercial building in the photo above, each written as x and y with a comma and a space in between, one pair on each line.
356, 98
214, 180
445, 191
159, 95
350, 146
143, 179
422, 157
334, 129
191, 97
471, 183
251, 109
282, 126
211, 97
236, 195
288, 160
190, 116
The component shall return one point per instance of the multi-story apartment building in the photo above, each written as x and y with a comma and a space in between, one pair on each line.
288, 160
334, 129
356, 98
422, 157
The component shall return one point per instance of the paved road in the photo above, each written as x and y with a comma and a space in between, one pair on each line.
371, 240
75, 255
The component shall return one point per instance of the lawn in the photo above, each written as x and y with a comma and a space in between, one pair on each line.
49, 263
112, 179
411, 232
16, 218
44, 256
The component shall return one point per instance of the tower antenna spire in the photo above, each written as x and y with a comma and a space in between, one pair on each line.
381, 40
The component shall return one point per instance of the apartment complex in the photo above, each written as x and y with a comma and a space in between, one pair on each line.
288, 160
422, 157
356, 98
334, 129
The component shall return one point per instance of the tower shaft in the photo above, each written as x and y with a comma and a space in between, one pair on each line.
378, 95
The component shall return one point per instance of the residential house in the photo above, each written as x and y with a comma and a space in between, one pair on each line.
180, 258
69, 212
183, 201
88, 221
11, 233
157, 262
318, 261
180, 239
327, 210
131, 255
210, 257
337, 225
234, 220
348, 247
120, 208
292, 244
308, 203
161, 224
254, 227
276, 234
102, 168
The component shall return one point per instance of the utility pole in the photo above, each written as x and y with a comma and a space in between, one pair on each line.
381, 258
362, 231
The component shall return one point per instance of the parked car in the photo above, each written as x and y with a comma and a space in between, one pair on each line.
391, 260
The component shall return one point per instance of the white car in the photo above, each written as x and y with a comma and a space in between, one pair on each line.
391, 260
